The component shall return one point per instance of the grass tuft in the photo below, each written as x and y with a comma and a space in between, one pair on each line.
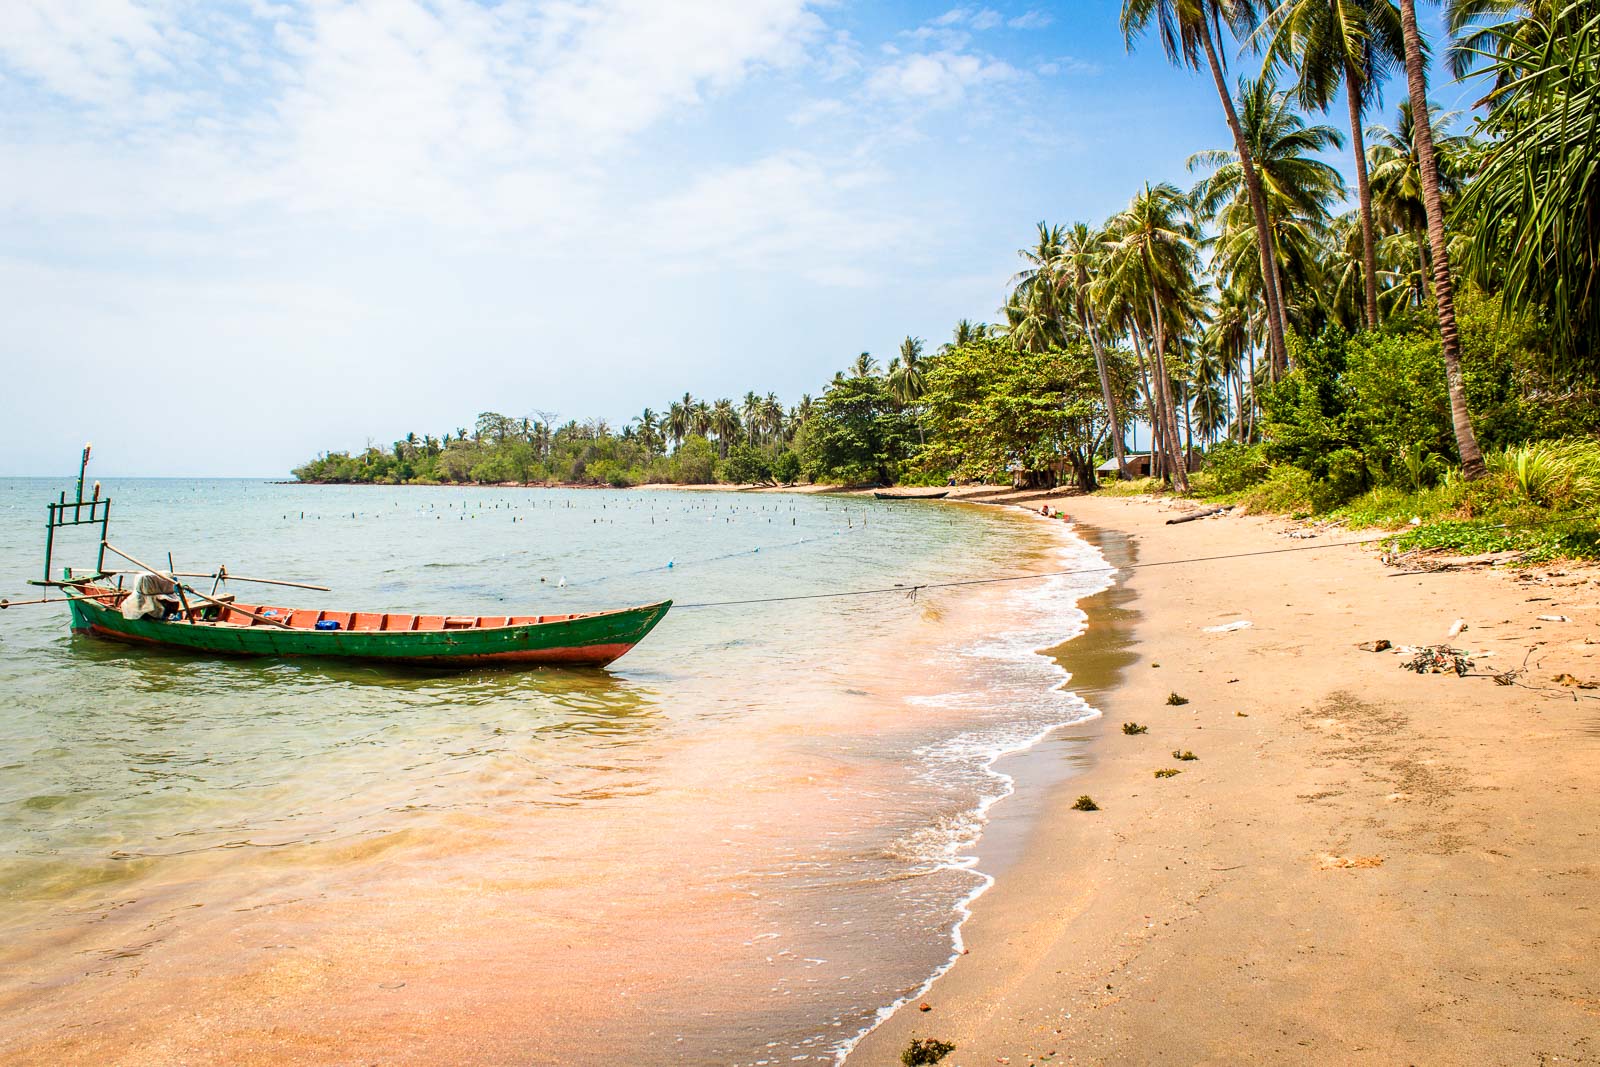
1183, 754
1174, 700
1168, 772
1134, 487
1085, 803
1134, 728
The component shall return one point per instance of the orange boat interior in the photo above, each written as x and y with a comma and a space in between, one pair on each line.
240, 614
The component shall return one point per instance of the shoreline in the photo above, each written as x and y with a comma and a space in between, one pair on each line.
976, 854
1346, 834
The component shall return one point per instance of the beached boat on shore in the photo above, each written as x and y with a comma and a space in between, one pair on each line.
913, 496
159, 608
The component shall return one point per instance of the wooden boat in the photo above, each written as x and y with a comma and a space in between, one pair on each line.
231, 628
913, 496
218, 624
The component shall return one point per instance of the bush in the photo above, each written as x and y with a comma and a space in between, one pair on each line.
1286, 491
1347, 477
695, 462
1231, 466
786, 467
1552, 474
744, 465
1085, 803
609, 472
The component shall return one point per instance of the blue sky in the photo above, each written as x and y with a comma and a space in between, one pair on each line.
295, 226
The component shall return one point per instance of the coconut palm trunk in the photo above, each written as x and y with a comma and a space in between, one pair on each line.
1258, 207
1177, 465
1158, 462
1472, 466
1369, 241
1092, 328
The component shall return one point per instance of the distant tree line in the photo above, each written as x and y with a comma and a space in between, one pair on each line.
977, 408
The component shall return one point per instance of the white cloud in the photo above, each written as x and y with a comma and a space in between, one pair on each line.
814, 111
939, 77
1030, 20
391, 192
371, 108
789, 212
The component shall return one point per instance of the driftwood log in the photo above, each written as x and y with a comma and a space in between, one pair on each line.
1193, 515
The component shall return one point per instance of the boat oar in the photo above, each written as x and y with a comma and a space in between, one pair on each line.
228, 576
4, 603
203, 596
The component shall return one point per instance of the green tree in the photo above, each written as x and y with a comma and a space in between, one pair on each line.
992, 406
1083, 255
1151, 274
1299, 189
1353, 45
1533, 211
1472, 465
1185, 28
856, 432
724, 424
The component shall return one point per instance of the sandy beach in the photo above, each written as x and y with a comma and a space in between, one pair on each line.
1360, 865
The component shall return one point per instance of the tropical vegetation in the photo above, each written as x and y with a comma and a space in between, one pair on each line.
1424, 344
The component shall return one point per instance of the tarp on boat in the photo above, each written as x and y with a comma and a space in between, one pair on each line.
153, 596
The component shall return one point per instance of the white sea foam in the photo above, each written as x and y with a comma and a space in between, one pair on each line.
1029, 692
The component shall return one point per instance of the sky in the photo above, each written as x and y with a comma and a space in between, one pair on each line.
238, 234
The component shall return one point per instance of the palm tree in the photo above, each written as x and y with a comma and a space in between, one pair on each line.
1083, 252
771, 416
678, 419
864, 366
1472, 465
700, 418
725, 424
1397, 177
648, 432
1152, 271
799, 415
1185, 29
1298, 189
1036, 319
1228, 339
966, 332
1343, 272
906, 383
1501, 33
906, 378
1352, 45
750, 415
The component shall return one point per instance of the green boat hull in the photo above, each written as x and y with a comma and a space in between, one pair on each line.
580, 641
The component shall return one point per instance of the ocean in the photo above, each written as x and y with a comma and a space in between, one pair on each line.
741, 843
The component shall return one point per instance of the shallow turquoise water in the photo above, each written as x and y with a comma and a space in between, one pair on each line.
122, 769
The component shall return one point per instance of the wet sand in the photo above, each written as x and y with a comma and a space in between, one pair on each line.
1362, 864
